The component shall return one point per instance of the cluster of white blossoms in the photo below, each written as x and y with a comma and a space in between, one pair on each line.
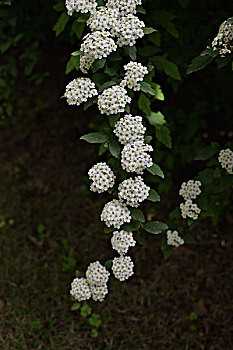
225, 158
190, 190
113, 100
103, 19
115, 213
135, 72
80, 289
174, 239
189, 210
133, 191
102, 176
82, 6
86, 63
97, 274
122, 240
224, 40
134, 157
129, 129
124, 6
98, 44
128, 29
79, 90
122, 267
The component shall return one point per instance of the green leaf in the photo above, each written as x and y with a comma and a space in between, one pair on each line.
113, 119
109, 229
172, 70
95, 320
208, 152
158, 92
155, 227
108, 264
171, 28
137, 214
75, 306
140, 9
115, 56
110, 71
156, 118
98, 64
144, 104
155, 170
77, 29
107, 85
60, 25
90, 102
114, 147
133, 226
206, 176
73, 63
163, 135
153, 196
139, 239
85, 310
83, 17
96, 137
149, 30
79, 274
188, 238
148, 139
198, 63
99, 79
166, 249
131, 51
146, 87
60, 6
77, 53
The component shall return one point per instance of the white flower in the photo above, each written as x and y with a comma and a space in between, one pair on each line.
124, 6
226, 159
82, 6
122, 267
224, 40
129, 129
134, 191
190, 190
79, 90
128, 29
102, 176
135, 72
103, 19
174, 239
97, 274
86, 63
115, 213
113, 100
134, 157
98, 45
189, 209
98, 292
122, 240
80, 289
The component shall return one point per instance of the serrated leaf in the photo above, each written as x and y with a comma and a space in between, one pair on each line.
83, 17
85, 310
148, 139
155, 227
198, 63
207, 152
107, 85
137, 214
158, 92
75, 306
144, 104
73, 63
114, 148
163, 135
171, 28
60, 25
147, 30
133, 226
139, 239
153, 196
156, 118
131, 51
95, 320
155, 170
77, 29
98, 64
96, 137
172, 70
146, 87
113, 119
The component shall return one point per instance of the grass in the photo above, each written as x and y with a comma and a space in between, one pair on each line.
49, 227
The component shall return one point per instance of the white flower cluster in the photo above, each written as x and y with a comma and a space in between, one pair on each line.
115, 213
190, 190
113, 100
122, 267
97, 277
134, 191
174, 239
103, 19
129, 129
85, 63
80, 289
135, 72
124, 6
82, 6
122, 240
79, 90
189, 209
226, 159
128, 29
224, 40
102, 176
97, 45
134, 157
